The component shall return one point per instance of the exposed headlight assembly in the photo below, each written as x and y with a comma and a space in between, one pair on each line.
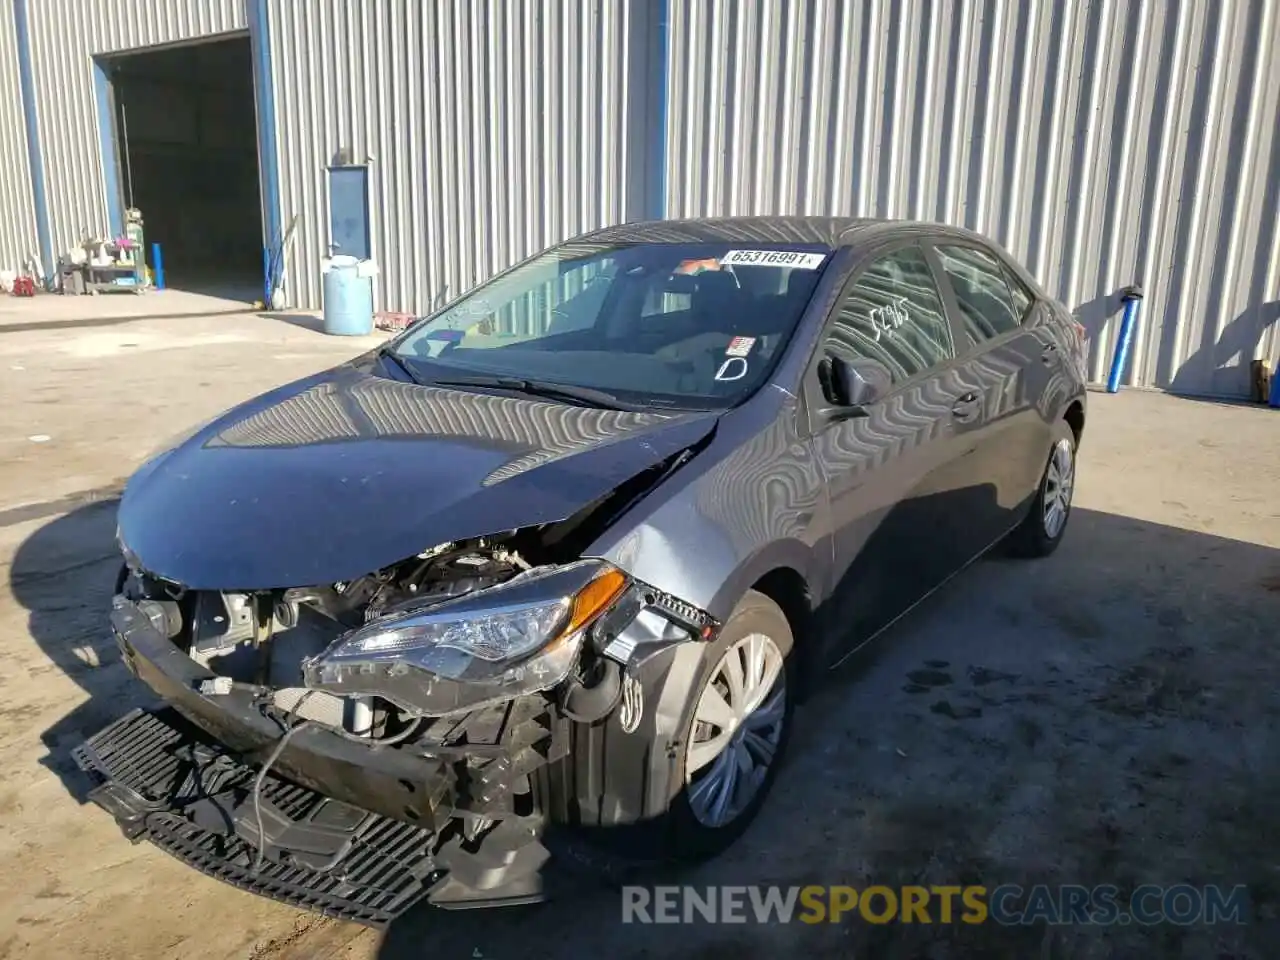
520, 637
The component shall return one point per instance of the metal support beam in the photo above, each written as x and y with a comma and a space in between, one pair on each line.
265, 100
111, 149
658, 133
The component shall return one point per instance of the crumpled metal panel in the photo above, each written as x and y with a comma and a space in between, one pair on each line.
65, 35
1102, 142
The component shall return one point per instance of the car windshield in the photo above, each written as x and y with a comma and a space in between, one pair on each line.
689, 325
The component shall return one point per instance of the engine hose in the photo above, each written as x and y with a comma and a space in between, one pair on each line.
588, 704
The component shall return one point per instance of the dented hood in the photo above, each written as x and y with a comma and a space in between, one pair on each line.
343, 473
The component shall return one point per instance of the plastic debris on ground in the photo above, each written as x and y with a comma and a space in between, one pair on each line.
392, 322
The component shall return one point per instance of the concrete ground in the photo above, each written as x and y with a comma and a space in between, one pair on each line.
1104, 716
52, 312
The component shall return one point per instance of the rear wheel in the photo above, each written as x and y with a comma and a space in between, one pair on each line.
1044, 526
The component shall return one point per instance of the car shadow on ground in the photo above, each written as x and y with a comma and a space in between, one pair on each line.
64, 575
1102, 716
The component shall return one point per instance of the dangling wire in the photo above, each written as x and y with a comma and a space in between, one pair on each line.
283, 742
262, 776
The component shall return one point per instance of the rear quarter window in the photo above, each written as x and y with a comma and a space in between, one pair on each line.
978, 279
1022, 297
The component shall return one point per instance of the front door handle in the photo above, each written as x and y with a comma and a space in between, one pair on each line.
965, 406
1050, 352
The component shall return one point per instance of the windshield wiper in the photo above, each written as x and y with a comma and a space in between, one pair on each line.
400, 362
584, 396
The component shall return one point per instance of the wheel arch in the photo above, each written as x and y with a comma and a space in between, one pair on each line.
789, 589
1074, 415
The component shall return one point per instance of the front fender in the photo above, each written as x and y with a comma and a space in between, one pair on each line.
753, 501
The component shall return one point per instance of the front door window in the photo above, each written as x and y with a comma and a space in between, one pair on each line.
893, 315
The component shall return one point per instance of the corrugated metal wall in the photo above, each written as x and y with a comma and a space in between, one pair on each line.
492, 128
1102, 141
65, 34
17, 220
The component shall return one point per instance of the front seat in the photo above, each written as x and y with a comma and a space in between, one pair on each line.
716, 301
716, 306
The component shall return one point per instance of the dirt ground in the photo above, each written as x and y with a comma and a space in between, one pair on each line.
1104, 716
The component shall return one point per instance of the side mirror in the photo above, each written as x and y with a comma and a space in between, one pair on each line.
850, 387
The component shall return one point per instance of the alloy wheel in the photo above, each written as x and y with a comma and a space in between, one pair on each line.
737, 728
1059, 482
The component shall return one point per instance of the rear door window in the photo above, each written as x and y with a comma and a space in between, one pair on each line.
987, 308
893, 315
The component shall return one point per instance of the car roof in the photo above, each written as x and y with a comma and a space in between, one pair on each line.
829, 231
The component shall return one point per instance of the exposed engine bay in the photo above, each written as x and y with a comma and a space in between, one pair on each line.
271, 642
263, 638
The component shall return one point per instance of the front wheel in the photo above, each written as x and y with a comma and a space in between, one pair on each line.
1042, 530
738, 725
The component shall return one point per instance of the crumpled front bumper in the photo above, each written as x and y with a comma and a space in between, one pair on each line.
348, 829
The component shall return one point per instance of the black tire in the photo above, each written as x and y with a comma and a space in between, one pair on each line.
1033, 538
683, 834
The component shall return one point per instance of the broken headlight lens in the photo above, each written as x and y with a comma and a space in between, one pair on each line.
520, 637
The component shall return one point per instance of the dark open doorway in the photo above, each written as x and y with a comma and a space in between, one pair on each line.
186, 139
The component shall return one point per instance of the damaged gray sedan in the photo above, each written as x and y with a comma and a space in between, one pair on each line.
547, 573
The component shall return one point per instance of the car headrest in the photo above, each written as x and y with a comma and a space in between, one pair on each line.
717, 294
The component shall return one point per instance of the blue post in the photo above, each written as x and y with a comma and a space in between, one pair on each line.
158, 266
1274, 399
1130, 296
266, 277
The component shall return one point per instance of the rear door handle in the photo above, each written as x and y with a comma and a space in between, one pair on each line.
965, 406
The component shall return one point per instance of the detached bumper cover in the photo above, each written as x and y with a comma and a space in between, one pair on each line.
164, 784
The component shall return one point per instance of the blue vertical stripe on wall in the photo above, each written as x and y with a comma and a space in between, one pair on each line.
110, 155
264, 91
34, 157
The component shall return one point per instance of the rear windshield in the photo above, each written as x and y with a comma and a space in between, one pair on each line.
695, 325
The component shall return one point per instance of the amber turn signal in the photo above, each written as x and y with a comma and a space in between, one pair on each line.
593, 600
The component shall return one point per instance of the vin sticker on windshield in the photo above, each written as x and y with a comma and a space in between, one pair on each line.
774, 258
